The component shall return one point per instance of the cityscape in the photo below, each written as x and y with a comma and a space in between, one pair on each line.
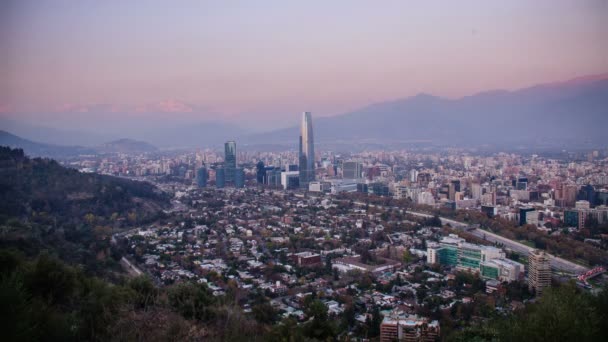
477, 215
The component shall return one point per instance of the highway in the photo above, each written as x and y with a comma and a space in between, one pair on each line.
557, 263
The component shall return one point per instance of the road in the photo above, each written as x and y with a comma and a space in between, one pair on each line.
557, 263
130, 267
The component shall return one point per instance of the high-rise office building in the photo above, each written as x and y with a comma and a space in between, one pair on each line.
522, 183
290, 179
307, 151
352, 170
239, 177
453, 188
539, 271
524, 214
260, 174
476, 191
230, 160
587, 193
413, 175
220, 178
201, 177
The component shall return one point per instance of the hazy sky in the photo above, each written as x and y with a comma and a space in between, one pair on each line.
266, 61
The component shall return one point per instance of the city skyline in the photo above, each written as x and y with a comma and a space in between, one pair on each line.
162, 177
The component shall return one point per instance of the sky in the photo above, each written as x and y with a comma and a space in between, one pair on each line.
261, 63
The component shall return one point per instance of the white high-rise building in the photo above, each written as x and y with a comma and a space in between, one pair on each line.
539, 271
413, 175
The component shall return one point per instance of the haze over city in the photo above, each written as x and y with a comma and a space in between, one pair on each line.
66, 63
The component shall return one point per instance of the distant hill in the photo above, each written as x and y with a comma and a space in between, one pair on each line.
42, 185
37, 149
44, 206
126, 146
54, 136
564, 113
165, 133
191, 135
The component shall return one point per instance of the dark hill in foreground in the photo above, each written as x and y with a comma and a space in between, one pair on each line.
29, 186
45, 206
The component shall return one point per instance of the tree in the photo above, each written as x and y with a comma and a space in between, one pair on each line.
191, 300
145, 293
563, 313
320, 327
374, 324
263, 313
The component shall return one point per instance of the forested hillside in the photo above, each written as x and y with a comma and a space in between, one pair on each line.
46, 206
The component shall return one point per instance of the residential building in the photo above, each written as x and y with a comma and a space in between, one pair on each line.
399, 326
539, 271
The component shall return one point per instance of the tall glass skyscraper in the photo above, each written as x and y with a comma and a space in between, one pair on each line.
239, 177
307, 151
220, 178
201, 177
230, 160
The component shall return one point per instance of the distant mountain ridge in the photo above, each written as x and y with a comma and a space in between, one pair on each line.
54, 136
127, 146
37, 149
161, 134
570, 112
567, 113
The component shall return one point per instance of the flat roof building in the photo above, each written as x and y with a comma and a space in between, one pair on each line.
399, 326
539, 271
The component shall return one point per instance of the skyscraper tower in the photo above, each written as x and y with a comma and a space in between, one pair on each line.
202, 177
230, 160
307, 151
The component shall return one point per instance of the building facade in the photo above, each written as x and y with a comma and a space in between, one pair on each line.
220, 178
230, 160
352, 170
397, 326
239, 177
539, 271
488, 261
201, 177
307, 151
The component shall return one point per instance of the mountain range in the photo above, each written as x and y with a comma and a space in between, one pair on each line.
38, 149
561, 114
126, 146
571, 112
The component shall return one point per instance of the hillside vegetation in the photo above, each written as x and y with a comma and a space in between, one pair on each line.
46, 206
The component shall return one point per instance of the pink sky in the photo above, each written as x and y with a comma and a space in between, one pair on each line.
263, 62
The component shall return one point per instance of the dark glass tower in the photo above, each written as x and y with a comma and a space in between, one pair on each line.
230, 160
260, 175
201, 177
239, 177
220, 178
307, 151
